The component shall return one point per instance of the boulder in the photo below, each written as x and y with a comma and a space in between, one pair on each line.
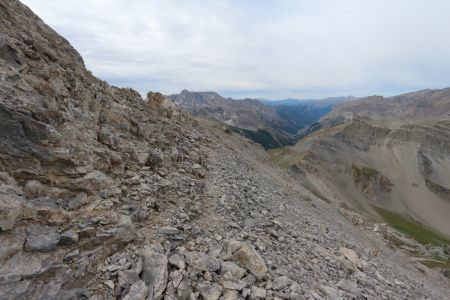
154, 272
249, 258
202, 261
42, 243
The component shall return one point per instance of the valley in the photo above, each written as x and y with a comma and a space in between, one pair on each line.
106, 194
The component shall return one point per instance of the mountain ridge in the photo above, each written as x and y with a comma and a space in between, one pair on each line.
106, 195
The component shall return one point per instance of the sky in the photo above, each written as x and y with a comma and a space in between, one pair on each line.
271, 49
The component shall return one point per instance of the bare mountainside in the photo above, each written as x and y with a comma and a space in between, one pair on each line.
420, 105
249, 117
105, 195
382, 158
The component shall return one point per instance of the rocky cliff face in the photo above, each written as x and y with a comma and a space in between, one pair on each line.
105, 195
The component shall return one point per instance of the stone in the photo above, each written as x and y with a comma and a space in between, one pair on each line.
281, 282
330, 292
177, 261
68, 237
93, 181
155, 159
233, 269
232, 246
77, 201
349, 286
232, 284
35, 189
110, 284
210, 291
230, 295
11, 211
154, 272
138, 291
257, 292
169, 230
42, 242
202, 261
249, 258
351, 255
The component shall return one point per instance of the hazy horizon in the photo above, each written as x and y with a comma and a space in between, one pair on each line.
260, 49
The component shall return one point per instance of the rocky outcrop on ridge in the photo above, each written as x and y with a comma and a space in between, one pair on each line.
105, 195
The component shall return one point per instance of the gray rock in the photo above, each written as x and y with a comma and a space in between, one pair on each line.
233, 269
202, 261
281, 282
42, 242
210, 291
177, 261
127, 277
349, 286
154, 272
169, 230
138, 291
232, 284
69, 237
257, 292
230, 295
11, 210
330, 292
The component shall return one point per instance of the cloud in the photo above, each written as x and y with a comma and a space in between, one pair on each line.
260, 48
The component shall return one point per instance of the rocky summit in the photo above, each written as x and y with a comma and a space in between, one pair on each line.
105, 195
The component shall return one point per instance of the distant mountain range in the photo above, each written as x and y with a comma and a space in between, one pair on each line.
270, 123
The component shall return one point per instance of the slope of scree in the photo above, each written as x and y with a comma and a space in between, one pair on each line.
106, 196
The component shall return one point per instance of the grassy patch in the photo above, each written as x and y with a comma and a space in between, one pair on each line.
413, 229
435, 264
365, 172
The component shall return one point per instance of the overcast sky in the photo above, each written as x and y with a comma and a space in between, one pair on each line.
260, 48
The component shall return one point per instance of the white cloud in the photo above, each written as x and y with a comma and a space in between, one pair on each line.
260, 48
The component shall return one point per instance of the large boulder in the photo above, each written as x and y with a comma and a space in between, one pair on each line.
250, 259
154, 272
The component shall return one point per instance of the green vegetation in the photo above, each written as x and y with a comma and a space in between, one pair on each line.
365, 172
265, 138
413, 229
435, 264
